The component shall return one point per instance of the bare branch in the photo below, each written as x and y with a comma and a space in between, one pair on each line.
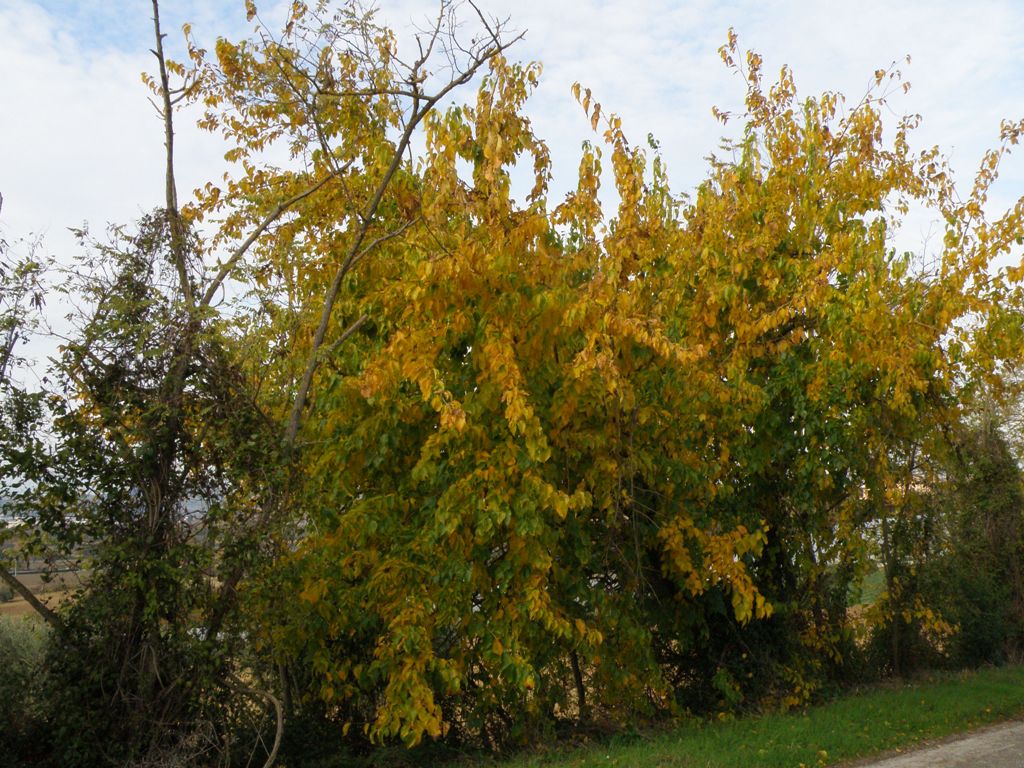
178, 242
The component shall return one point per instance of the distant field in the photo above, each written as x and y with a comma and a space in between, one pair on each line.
20, 607
52, 592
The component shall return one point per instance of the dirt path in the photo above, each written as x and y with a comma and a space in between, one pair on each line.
1001, 746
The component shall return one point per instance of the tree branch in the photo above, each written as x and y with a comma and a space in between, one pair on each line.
349, 331
170, 189
382, 239
46, 613
356, 250
270, 218
278, 712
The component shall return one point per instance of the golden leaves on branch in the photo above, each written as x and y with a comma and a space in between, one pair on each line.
557, 400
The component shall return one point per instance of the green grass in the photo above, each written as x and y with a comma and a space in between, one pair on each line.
857, 725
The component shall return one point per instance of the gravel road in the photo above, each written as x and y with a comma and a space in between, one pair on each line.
1001, 746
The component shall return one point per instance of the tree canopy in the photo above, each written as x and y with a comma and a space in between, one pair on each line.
462, 465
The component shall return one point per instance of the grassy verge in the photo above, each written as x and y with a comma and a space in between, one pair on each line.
858, 725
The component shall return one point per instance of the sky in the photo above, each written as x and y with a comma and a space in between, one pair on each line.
79, 142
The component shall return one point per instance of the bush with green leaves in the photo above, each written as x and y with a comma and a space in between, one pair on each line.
979, 581
23, 644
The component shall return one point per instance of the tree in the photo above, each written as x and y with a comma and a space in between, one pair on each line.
977, 579
575, 464
22, 289
456, 465
161, 456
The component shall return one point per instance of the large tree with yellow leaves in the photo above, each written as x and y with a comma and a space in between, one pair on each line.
474, 465
573, 464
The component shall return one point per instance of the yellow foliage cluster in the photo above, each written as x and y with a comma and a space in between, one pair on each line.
566, 436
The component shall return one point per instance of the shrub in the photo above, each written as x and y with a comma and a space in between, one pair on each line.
23, 643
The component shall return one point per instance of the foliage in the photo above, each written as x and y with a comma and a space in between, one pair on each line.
633, 462
977, 581
147, 458
22, 702
22, 289
155, 451
465, 467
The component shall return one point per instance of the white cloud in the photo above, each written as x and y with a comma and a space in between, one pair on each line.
83, 144
80, 142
